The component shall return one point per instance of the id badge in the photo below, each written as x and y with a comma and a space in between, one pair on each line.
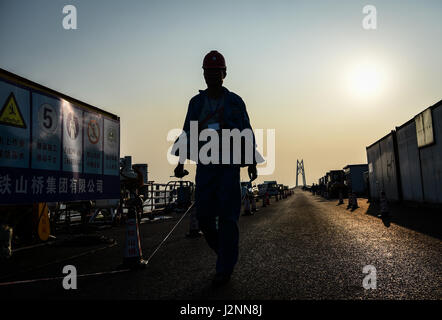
214, 126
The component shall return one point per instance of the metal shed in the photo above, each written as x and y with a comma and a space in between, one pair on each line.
354, 177
383, 168
421, 156
409, 162
431, 160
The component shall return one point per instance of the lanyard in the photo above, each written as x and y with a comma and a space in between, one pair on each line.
219, 111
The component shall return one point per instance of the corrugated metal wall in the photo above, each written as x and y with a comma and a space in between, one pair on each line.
354, 174
403, 170
409, 162
431, 162
372, 155
357, 178
389, 172
383, 176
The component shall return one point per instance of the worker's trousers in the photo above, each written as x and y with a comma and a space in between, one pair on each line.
218, 194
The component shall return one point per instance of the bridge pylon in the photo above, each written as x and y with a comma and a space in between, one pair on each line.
300, 170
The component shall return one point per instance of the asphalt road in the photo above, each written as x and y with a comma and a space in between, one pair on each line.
302, 247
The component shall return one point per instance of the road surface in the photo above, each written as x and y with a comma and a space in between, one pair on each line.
301, 247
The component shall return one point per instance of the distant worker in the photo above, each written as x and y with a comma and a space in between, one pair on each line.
218, 188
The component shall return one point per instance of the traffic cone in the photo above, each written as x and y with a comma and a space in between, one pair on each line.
247, 211
354, 202
384, 205
133, 255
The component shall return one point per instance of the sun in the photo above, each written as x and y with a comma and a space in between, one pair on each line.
366, 80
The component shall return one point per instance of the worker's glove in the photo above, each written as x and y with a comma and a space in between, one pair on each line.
253, 172
179, 171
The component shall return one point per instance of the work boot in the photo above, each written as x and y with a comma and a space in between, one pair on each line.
221, 279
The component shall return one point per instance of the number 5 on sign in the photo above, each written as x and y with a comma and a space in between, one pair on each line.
47, 118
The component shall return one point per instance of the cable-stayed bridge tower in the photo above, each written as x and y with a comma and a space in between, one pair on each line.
300, 170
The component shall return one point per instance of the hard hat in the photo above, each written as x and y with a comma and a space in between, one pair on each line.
214, 60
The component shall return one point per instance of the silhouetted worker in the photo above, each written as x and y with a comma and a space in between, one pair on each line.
218, 188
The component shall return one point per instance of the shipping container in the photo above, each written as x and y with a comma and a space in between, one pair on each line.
431, 159
420, 154
354, 177
407, 163
383, 168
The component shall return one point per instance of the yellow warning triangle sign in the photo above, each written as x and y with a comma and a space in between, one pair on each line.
10, 114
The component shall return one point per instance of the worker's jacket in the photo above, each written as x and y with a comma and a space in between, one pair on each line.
231, 114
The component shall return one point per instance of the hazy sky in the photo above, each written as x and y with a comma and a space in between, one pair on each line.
304, 68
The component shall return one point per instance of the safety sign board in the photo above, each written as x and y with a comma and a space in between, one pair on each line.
46, 133
93, 144
10, 113
72, 139
54, 148
93, 131
111, 140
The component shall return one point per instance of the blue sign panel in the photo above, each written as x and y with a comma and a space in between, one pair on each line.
32, 185
46, 132
72, 138
14, 126
93, 143
111, 147
53, 150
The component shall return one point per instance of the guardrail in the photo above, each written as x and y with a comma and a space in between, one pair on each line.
162, 195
